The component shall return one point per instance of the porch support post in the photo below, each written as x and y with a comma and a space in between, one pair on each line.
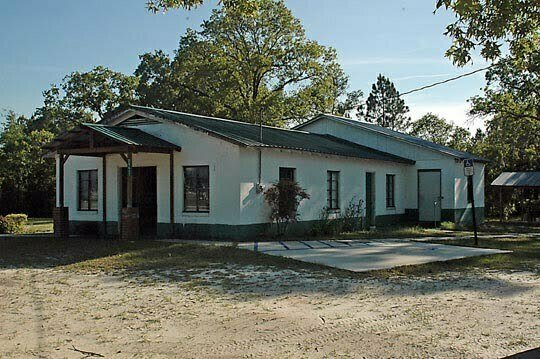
171, 190
130, 216
129, 180
61, 213
501, 207
104, 191
63, 159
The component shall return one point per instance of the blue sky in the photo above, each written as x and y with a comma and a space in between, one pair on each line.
42, 41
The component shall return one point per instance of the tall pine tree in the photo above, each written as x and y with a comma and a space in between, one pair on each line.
385, 107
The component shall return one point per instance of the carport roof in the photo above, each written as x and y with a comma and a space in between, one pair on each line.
248, 134
517, 179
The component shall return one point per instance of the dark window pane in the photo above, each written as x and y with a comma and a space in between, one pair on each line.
88, 190
390, 191
333, 189
286, 174
196, 189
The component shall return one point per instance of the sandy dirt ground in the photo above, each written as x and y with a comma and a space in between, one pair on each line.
267, 313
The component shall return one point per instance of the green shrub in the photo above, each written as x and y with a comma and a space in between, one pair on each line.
351, 217
347, 220
324, 225
13, 223
284, 197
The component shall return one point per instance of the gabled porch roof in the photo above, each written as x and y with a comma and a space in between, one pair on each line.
91, 139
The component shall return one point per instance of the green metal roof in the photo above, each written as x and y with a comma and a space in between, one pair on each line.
399, 135
130, 136
518, 179
247, 134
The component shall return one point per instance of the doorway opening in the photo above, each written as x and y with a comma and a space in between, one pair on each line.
429, 196
370, 199
144, 197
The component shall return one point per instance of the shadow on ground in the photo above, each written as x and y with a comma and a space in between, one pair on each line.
237, 271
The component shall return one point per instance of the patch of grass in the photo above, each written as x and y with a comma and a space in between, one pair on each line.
393, 232
95, 255
38, 226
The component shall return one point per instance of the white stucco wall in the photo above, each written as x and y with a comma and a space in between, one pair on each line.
453, 182
311, 174
197, 149
234, 174
460, 183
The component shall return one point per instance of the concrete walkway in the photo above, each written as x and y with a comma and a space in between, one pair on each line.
366, 255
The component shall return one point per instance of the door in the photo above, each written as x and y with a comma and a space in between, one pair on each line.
370, 199
429, 195
144, 197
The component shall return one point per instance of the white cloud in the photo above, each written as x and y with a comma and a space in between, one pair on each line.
394, 61
452, 112
412, 77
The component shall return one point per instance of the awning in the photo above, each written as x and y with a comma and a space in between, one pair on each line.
91, 139
517, 179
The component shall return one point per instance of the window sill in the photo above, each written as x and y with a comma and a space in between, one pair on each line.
87, 210
390, 208
195, 214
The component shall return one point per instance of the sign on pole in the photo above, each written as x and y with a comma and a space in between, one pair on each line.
468, 167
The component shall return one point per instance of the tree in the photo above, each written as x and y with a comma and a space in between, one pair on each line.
435, 129
26, 178
250, 68
511, 105
512, 89
164, 5
83, 97
351, 104
385, 107
431, 127
488, 25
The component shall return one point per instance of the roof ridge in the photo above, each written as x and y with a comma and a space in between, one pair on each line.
219, 119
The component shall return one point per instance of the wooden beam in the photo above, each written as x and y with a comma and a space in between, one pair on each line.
124, 157
171, 189
112, 149
129, 180
95, 150
104, 191
63, 159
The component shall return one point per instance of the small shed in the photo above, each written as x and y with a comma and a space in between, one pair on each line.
528, 183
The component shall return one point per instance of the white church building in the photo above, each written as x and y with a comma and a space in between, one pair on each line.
171, 174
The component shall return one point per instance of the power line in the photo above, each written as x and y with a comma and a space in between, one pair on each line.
445, 81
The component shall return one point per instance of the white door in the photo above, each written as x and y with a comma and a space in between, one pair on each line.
429, 195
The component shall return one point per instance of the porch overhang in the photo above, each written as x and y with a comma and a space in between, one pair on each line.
99, 140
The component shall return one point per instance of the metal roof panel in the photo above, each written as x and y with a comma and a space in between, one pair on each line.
517, 179
248, 134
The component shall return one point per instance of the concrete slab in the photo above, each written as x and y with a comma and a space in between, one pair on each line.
361, 256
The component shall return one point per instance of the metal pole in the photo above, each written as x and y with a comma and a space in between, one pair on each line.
104, 191
473, 211
171, 189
